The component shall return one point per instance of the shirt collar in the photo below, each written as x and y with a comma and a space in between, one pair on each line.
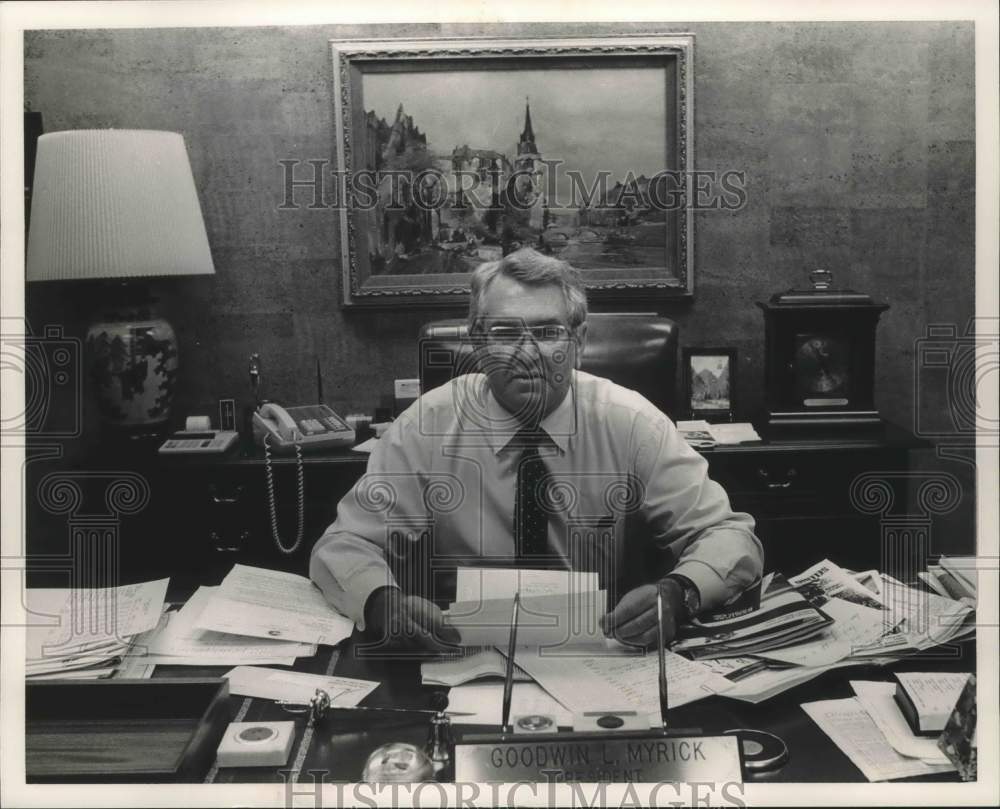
558, 425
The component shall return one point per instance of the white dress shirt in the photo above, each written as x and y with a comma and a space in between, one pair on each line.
443, 470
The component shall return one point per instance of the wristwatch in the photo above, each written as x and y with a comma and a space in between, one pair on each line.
690, 597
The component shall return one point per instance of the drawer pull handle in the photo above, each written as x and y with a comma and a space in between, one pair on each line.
790, 475
216, 539
219, 499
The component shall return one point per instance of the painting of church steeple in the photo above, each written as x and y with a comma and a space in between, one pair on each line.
527, 151
527, 162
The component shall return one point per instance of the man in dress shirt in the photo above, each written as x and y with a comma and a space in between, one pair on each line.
623, 492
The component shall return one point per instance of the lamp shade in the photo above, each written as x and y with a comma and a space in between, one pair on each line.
114, 203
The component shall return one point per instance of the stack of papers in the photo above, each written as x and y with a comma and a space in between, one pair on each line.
702, 435
785, 617
558, 607
871, 731
875, 620
956, 577
272, 604
177, 641
927, 700
85, 633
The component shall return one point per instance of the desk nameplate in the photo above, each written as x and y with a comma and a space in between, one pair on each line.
593, 757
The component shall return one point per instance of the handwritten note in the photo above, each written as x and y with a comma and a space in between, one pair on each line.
933, 694
68, 622
876, 698
850, 727
605, 682
854, 626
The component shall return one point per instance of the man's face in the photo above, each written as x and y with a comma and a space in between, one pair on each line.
529, 352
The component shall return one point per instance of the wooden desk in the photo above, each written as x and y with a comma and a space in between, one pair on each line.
338, 751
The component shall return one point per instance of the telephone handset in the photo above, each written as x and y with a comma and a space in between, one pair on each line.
308, 427
296, 429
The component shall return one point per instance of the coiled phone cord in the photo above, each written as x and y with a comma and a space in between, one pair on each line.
271, 498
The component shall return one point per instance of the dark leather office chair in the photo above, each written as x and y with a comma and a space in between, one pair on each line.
638, 350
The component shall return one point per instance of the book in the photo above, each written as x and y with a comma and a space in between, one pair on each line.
928, 699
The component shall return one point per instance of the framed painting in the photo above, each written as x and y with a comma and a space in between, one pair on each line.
710, 383
453, 152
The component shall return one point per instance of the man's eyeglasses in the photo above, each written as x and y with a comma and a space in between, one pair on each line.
549, 333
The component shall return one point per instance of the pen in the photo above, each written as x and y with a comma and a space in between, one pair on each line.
662, 654
508, 683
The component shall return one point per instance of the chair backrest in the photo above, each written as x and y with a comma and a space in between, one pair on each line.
637, 350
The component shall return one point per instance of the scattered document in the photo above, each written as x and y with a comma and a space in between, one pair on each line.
826, 579
607, 682
482, 704
294, 686
702, 435
850, 727
558, 607
926, 619
90, 615
501, 583
479, 664
179, 637
877, 699
965, 570
697, 433
854, 627
273, 604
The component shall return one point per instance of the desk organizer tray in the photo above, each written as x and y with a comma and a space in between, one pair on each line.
123, 730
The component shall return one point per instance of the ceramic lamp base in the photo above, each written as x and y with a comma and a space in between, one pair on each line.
133, 364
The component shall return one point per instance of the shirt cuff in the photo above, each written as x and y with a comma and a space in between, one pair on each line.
711, 587
361, 584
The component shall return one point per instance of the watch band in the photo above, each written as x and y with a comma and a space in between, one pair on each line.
690, 597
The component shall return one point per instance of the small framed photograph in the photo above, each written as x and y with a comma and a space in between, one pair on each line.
710, 383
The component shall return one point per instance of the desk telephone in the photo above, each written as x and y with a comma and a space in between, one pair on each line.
308, 427
295, 430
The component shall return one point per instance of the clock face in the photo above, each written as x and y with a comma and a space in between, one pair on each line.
821, 371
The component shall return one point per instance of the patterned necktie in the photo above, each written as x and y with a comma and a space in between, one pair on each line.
531, 521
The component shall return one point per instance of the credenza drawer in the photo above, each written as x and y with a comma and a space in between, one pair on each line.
807, 484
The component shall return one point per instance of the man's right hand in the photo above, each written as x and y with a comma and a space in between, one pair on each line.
408, 623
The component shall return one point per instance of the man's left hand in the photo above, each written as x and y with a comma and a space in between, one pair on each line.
633, 621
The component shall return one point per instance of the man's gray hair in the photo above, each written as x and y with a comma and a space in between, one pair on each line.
531, 268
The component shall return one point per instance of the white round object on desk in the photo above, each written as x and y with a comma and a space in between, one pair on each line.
197, 424
398, 763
